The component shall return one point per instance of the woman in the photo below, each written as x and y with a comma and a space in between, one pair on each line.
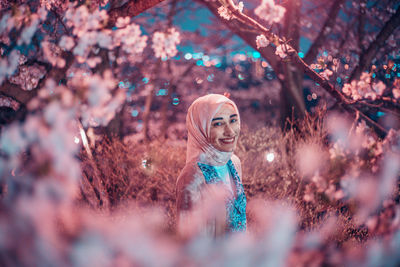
213, 125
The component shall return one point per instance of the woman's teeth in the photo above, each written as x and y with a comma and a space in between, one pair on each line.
227, 140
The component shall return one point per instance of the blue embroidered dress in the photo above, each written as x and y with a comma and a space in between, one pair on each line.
236, 203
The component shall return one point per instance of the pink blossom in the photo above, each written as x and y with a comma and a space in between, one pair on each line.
100, 105
52, 54
6, 102
12, 140
240, 6
104, 39
42, 12
337, 150
347, 89
224, 12
22, 59
270, 12
66, 42
6, 22
49, 4
29, 31
84, 43
29, 76
82, 21
93, 61
326, 73
282, 49
320, 182
122, 22
9, 65
261, 41
364, 88
309, 194
77, 18
309, 158
379, 87
130, 39
396, 92
164, 44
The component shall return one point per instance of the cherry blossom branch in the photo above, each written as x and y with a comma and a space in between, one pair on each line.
368, 120
367, 57
328, 25
247, 32
381, 101
245, 22
292, 53
388, 100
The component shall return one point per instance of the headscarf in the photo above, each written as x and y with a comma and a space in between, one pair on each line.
198, 123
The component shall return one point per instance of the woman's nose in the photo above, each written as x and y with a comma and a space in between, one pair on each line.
228, 131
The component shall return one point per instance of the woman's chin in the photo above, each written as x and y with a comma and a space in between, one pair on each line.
226, 148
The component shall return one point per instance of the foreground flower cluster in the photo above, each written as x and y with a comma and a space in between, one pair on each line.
309, 204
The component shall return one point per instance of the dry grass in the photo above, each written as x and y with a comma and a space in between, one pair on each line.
145, 174
281, 180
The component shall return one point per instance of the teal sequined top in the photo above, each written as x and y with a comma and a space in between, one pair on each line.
235, 206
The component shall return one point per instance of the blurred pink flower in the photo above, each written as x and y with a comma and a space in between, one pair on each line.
309, 159
66, 42
269, 11
164, 44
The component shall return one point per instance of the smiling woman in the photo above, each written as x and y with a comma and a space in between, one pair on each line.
212, 174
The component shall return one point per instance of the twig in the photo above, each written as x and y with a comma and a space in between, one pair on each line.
329, 23
367, 57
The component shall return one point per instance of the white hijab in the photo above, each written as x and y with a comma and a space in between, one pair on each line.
198, 123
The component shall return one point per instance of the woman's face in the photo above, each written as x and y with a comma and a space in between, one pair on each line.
225, 129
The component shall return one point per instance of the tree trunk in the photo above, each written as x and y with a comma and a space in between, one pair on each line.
292, 98
114, 127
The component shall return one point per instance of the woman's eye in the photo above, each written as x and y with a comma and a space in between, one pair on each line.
217, 124
233, 120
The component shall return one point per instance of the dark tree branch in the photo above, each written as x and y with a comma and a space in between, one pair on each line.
59, 19
291, 22
328, 25
367, 57
131, 9
361, 25
16, 93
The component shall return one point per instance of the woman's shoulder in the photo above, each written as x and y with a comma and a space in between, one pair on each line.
238, 165
189, 175
236, 161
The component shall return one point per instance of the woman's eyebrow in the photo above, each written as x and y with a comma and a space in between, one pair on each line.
220, 118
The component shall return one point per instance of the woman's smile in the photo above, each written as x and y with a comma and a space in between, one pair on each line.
228, 140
